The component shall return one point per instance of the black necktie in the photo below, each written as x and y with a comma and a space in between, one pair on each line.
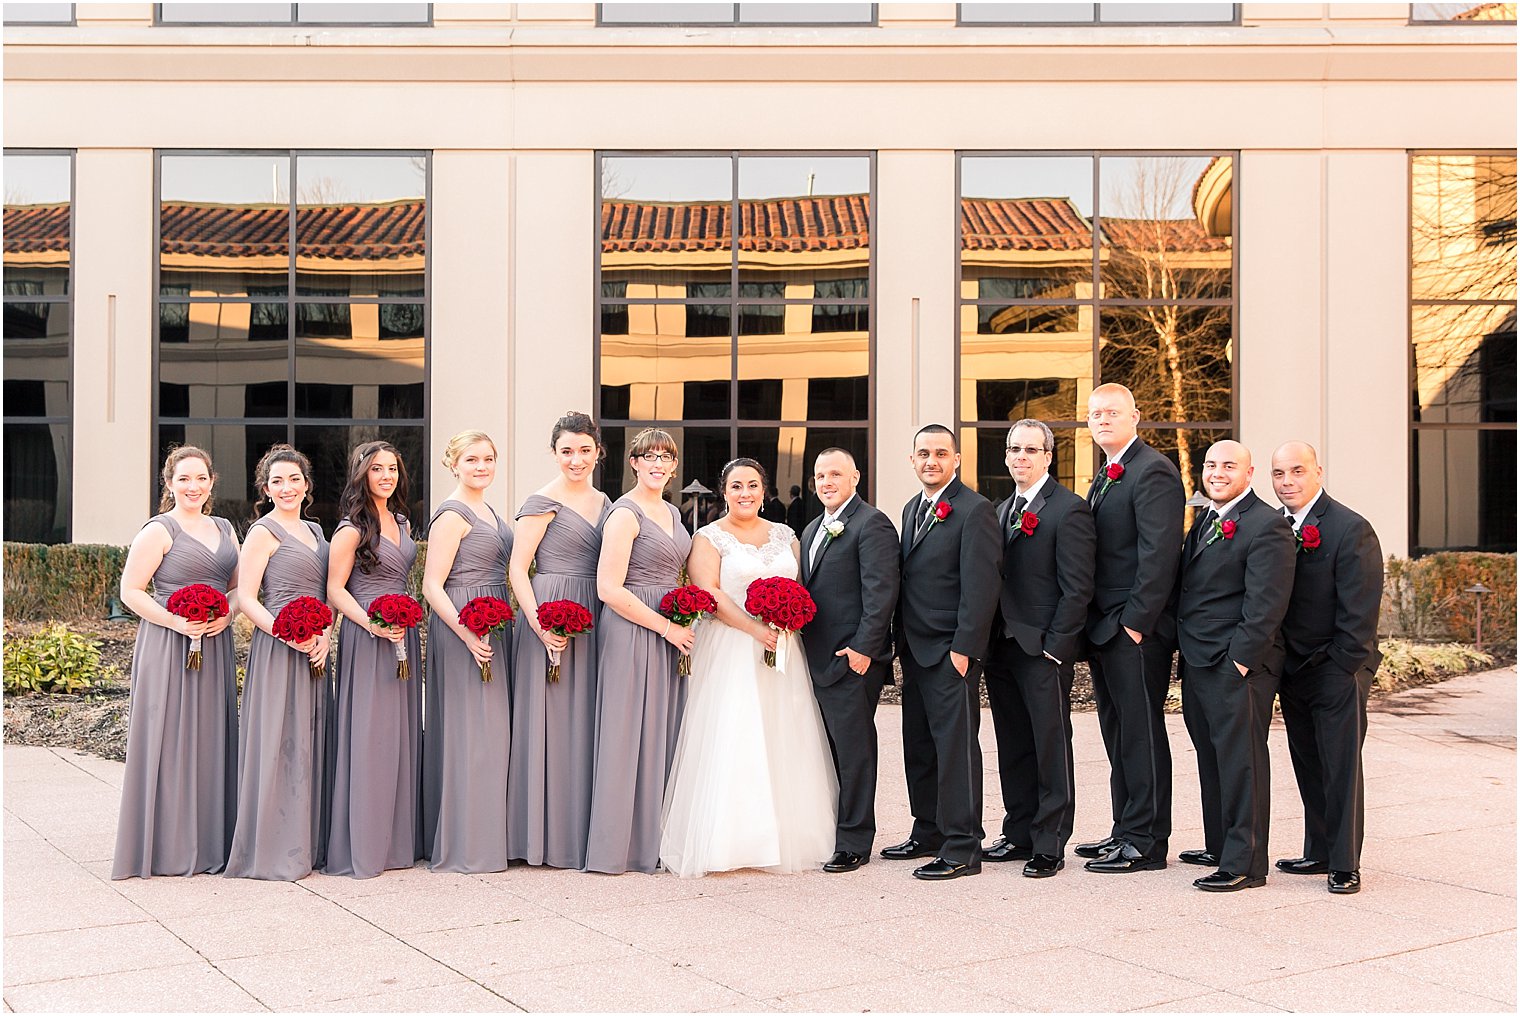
920, 518
1016, 517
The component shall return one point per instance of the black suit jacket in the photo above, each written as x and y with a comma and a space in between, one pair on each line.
854, 583
1048, 574
1337, 590
1232, 593
1139, 521
949, 579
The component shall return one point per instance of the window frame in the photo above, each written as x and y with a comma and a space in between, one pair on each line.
294, 22
1451, 21
874, 22
1096, 22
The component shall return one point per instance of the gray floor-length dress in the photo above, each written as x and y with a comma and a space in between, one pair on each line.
468, 722
554, 725
377, 739
180, 786
281, 803
639, 699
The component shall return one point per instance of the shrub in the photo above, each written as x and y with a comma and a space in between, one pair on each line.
1407, 663
54, 659
1425, 598
64, 580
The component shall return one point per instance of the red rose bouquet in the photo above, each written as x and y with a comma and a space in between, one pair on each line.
1308, 538
784, 605
563, 617
684, 605
299, 620
198, 602
483, 616
396, 610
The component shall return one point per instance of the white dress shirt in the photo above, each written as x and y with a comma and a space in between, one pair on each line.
1303, 513
822, 535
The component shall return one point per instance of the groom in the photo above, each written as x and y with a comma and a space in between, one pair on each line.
950, 559
849, 565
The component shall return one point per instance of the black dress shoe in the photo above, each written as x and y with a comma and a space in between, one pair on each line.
1096, 849
1227, 882
1002, 850
1302, 866
1043, 866
1344, 883
1125, 859
907, 850
844, 860
1202, 857
940, 869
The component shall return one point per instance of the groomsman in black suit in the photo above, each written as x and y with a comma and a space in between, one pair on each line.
950, 556
849, 564
1048, 549
1331, 636
1137, 505
1232, 593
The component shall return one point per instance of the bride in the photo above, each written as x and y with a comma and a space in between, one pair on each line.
753, 784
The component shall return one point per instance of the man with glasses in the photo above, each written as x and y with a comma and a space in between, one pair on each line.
1048, 549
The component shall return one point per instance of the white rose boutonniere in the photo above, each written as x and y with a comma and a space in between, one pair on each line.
832, 531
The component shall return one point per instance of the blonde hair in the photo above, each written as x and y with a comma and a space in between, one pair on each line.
652, 439
459, 442
176, 456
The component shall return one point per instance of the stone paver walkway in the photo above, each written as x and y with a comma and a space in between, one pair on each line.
1433, 929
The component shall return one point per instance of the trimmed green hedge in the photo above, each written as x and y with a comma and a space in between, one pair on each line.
1426, 598
60, 581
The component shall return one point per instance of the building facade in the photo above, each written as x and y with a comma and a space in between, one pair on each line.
769, 228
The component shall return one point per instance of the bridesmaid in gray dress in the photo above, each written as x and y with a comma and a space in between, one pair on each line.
469, 721
553, 725
639, 695
281, 807
181, 779
377, 718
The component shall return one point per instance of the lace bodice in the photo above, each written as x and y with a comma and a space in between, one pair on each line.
743, 564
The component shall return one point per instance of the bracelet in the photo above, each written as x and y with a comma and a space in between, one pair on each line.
666, 633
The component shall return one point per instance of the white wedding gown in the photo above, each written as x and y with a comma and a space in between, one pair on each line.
753, 783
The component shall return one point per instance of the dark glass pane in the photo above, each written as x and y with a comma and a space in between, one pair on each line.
828, 317
1462, 227
361, 360
361, 225
1024, 360
1027, 14
39, 14
1177, 360
1166, 227
1186, 450
235, 449
802, 218
37, 194
1463, 12
1464, 487
614, 402
787, 453
614, 316
37, 482
984, 466
230, 13
1048, 399
218, 354
806, 14
362, 14
1163, 13
667, 14
666, 223
776, 371
329, 447
224, 224
839, 398
1026, 223
1464, 357
762, 319
37, 359
671, 372
854, 287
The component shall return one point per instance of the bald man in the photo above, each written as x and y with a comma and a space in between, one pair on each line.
1232, 593
1331, 636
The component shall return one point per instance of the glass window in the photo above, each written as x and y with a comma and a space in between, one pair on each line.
38, 329
39, 14
1462, 334
1465, 13
1079, 269
764, 337
1102, 14
736, 14
259, 338
295, 14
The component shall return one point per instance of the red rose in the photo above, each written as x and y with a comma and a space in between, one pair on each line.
1227, 529
1114, 470
942, 510
1027, 523
1309, 537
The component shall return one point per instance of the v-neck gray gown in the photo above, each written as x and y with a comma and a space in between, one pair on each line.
377, 736
281, 805
639, 700
180, 786
554, 725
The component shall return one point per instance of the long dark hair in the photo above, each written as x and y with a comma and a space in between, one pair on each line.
276, 454
357, 504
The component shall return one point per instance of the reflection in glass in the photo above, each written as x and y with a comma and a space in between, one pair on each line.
1464, 490
776, 371
37, 362
666, 223
37, 482
1026, 14
703, 452
1166, 227
361, 360
213, 357
361, 225
329, 447
229, 13
806, 14
1177, 360
1026, 229
224, 225
37, 189
804, 219
1186, 449
1182, 13
666, 14
984, 463
1462, 12
1462, 222
1464, 357
669, 372
39, 14
787, 453
362, 14
236, 449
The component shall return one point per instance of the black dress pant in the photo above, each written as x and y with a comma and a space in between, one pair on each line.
1030, 698
941, 711
1325, 712
1129, 685
1228, 716
849, 715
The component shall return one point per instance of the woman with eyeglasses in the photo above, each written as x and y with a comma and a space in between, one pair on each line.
639, 695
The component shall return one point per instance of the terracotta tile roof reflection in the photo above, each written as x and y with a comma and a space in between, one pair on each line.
823, 222
1486, 12
1023, 224
37, 228
348, 232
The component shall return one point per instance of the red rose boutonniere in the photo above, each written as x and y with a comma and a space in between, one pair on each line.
1222, 531
942, 512
1308, 539
1112, 474
1027, 523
